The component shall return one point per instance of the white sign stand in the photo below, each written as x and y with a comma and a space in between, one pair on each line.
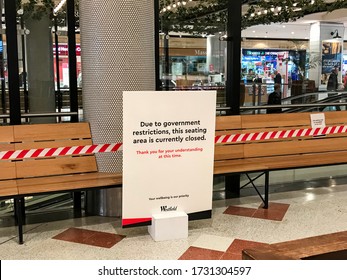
169, 226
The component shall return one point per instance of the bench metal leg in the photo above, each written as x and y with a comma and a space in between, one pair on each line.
232, 186
22, 207
266, 200
77, 204
19, 209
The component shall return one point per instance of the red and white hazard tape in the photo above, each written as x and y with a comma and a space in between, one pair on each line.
104, 148
280, 134
62, 151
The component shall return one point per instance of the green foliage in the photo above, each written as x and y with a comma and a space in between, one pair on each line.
36, 9
210, 16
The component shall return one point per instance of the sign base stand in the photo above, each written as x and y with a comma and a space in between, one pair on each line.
169, 226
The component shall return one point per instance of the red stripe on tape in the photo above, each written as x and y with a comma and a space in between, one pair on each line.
103, 148
91, 149
78, 150
50, 152
64, 151
22, 154
8, 154
36, 153
116, 147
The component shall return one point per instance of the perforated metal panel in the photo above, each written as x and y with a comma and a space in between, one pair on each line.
117, 43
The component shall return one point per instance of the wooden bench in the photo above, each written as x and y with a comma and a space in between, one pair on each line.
277, 154
33, 176
331, 246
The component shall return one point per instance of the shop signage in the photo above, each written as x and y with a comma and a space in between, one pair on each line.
63, 49
256, 52
200, 52
186, 52
168, 150
331, 56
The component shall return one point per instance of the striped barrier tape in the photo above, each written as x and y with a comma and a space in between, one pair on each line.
280, 134
62, 151
104, 148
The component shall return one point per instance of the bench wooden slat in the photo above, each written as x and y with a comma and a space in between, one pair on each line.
223, 152
299, 249
8, 188
6, 147
40, 132
275, 121
294, 146
55, 166
286, 121
299, 161
68, 182
335, 118
6, 134
237, 166
228, 122
7, 170
265, 252
52, 144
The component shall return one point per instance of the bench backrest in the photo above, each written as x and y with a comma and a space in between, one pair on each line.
281, 153
40, 136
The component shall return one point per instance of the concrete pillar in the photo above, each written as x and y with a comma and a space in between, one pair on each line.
40, 76
117, 44
320, 33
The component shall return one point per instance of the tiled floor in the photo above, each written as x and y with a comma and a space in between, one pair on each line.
275, 211
90, 237
236, 224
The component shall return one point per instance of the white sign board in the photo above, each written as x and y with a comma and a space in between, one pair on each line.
317, 120
168, 150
